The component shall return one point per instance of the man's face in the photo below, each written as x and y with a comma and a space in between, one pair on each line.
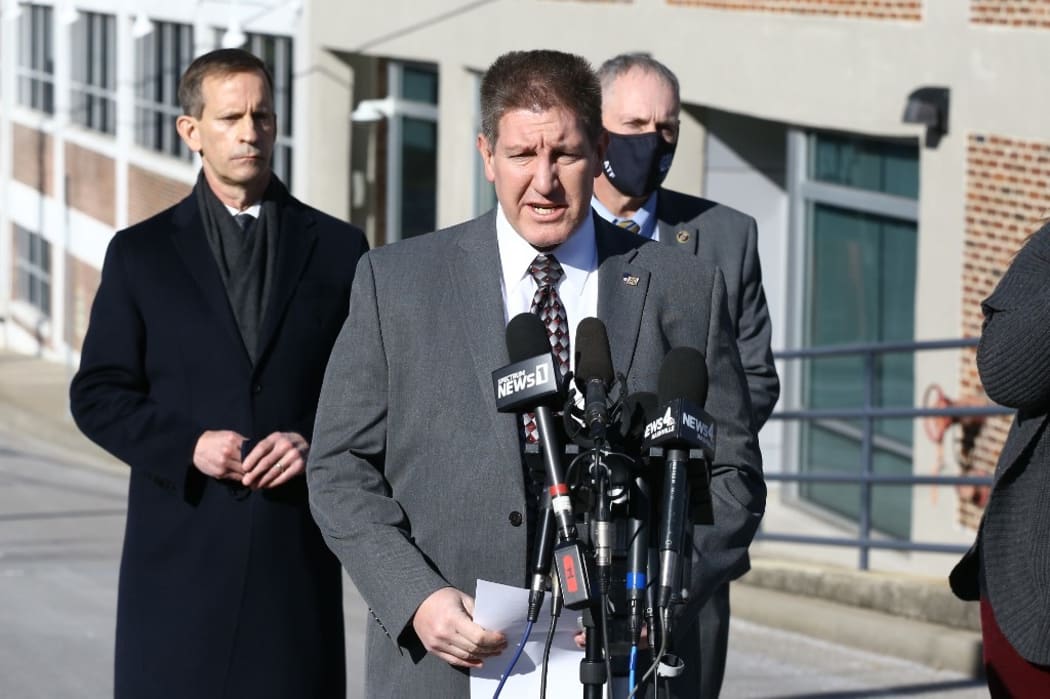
236, 130
640, 102
543, 167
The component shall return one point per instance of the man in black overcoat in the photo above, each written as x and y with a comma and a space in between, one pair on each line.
201, 370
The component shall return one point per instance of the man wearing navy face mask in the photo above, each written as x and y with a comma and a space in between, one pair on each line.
640, 108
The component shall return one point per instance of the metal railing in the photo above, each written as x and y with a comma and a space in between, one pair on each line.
868, 413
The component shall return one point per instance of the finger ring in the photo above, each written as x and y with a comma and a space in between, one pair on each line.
279, 467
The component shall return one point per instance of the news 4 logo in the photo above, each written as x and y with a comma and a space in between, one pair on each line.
682, 423
525, 383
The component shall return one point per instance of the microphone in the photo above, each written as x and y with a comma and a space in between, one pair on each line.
594, 374
541, 566
532, 382
682, 388
636, 409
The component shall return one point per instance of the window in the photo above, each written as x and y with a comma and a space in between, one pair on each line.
161, 57
484, 193
859, 201
276, 53
36, 59
412, 143
33, 270
94, 72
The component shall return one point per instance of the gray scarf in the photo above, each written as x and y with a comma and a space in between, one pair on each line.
245, 258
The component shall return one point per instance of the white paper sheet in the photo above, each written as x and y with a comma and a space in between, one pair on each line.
504, 608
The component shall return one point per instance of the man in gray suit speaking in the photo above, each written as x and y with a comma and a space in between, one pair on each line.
640, 110
416, 481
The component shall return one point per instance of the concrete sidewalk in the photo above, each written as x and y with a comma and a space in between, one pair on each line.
911, 617
34, 407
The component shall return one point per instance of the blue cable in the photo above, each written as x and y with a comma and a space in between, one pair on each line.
514, 660
633, 663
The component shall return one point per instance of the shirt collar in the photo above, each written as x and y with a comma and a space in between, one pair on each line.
578, 255
253, 210
645, 217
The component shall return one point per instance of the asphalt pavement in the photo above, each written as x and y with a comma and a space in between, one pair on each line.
62, 504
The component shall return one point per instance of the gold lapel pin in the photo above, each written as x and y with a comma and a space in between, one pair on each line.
682, 236
630, 279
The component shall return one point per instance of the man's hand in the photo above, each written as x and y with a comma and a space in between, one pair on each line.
275, 460
445, 625
218, 454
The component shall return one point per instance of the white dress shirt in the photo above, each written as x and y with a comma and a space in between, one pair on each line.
578, 288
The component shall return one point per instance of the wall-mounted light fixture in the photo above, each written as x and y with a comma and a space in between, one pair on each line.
928, 106
372, 110
143, 26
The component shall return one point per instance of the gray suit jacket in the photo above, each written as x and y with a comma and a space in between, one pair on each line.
1009, 563
415, 478
729, 239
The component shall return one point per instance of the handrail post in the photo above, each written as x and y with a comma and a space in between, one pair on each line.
867, 460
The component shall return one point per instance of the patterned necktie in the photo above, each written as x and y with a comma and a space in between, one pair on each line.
630, 225
546, 303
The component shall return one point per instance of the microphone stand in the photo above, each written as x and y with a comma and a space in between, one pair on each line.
593, 667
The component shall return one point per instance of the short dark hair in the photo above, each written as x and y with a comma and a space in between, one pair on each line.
220, 62
538, 81
622, 64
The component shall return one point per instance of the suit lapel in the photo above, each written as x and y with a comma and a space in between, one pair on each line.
193, 249
295, 241
622, 287
474, 274
684, 235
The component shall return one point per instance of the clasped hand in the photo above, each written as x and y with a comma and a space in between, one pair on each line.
275, 460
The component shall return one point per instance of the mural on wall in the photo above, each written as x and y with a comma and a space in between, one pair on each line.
956, 436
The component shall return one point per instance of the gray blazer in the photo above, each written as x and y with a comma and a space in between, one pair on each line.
416, 480
1009, 563
729, 239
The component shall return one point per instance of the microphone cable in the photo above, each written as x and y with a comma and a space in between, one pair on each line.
655, 664
513, 661
556, 601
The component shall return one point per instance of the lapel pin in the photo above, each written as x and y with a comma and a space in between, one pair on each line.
630, 279
682, 236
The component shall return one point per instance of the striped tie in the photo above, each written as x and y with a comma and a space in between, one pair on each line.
629, 224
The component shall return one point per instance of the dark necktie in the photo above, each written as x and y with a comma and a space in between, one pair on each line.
245, 221
546, 303
630, 225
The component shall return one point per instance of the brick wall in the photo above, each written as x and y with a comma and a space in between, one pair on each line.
1011, 13
150, 193
31, 158
1007, 198
82, 282
91, 187
866, 9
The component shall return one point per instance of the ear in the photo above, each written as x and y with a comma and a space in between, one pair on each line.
599, 148
485, 149
187, 128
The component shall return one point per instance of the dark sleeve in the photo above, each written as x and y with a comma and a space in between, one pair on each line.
754, 333
1012, 354
738, 491
110, 394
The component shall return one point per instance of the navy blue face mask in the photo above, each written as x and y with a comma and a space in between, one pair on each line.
636, 164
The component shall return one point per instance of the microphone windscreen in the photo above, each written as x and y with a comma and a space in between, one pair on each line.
639, 409
593, 358
683, 374
526, 337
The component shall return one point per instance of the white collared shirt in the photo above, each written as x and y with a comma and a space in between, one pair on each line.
645, 217
578, 288
254, 210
